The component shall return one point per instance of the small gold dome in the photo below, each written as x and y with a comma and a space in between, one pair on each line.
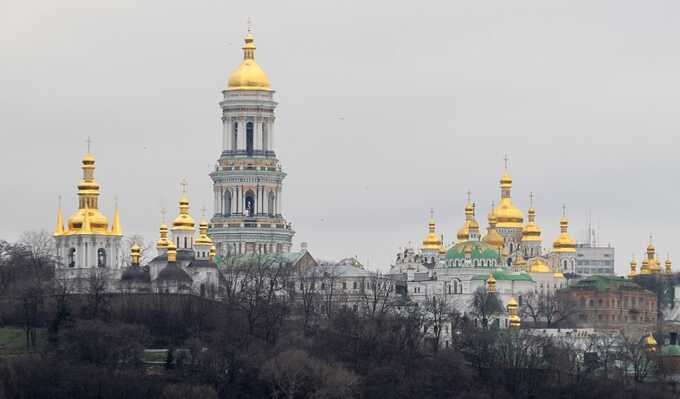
512, 303
248, 75
531, 231
183, 221
564, 243
538, 266
163, 242
203, 238
508, 216
492, 237
650, 343
431, 241
491, 284
558, 275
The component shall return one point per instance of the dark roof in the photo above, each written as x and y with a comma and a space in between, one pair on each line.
136, 274
605, 283
172, 272
182, 255
202, 263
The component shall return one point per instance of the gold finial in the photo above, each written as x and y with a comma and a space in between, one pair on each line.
89, 143
250, 25
115, 227
564, 210
431, 213
650, 239
505, 159
469, 195
59, 229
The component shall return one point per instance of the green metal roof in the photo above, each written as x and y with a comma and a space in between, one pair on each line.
480, 250
501, 275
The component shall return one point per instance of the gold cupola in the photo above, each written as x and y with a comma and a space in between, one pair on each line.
531, 231
492, 238
633, 268
513, 313
564, 243
491, 284
88, 206
431, 241
537, 265
470, 229
203, 238
669, 265
135, 254
248, 75
184, 221
650, 265
650, 343
509, 217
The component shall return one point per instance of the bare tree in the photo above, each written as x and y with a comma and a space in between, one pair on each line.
636, 359
377, 296
147, 249
39, 243
308, 295
440, 316
485, 306
548, 308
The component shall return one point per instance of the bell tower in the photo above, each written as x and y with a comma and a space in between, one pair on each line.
248, 179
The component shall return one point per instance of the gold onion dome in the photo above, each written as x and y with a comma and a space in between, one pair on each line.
531, 231
431, 241
492, 237
538, 266
650, 343
519, 263
470, 225
163, 241
248, 75
633, 268
669, 265
203, 238
508, 216
564, 243
183, 221
88, 207
651, 264
491, 284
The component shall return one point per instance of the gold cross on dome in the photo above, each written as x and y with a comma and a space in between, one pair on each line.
184, 184
564, 210
505, 158
89, 143
203, 209
531, 199
469, 195
250, 25
431, 213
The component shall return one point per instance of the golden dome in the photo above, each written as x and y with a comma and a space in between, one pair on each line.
431, 242
213, 252
650, 343
172, 252
651, 264
558, 275
531, 231
508, 216
248, 75
135, 254
492, 237
470, 227
669, 265
538, 266
59, 228
183, 221
163, 242
633, 267
564, 243
512, 304
491, 284
203, 238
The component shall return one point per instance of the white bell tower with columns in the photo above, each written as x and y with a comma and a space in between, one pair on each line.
248, 179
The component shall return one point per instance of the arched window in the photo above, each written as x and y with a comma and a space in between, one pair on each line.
250, 203
271, 201
185, 243
101, 257
234, 136
265, 137
72, 257
510, 247
249, 138
565, 264
227, 204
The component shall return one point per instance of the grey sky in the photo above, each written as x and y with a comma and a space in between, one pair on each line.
386, 109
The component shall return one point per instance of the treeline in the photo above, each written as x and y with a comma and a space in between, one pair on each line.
260, 344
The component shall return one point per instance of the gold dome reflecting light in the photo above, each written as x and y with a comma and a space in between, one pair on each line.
184, 221
248, 75
431, 241
564, 243
633, 267
470, 227
491, 284
651, 264
669, 265
203, 238
538, 266
507, 214
650, 343
88, 205
531, 231
492, 237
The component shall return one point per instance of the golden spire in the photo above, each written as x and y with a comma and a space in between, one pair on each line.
184, 221
431, 241
470, 227
203, 238
507, 214
442, 247
531, 231
492, 237
513, 315
633, 268
491, 284
115, 228
88, 198
163, 242
564, 243
135, 254
172, 252
59, 228
248, 75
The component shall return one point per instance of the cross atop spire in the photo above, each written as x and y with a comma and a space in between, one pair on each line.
469, 195
505, 159
650, 239
250, 25
203, 209
531, 199
59, 199
89, 143
431, 213
184, 184
564, 210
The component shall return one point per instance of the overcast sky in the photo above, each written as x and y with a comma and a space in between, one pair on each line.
386, 109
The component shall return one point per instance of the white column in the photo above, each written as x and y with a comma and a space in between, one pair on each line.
271, 136
226, 134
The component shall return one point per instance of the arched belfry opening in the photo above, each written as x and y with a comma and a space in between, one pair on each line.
250, 204
234, 136
249, 138
270, 204
226, 211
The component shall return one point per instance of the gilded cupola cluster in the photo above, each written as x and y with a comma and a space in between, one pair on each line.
651, 263
88, 219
